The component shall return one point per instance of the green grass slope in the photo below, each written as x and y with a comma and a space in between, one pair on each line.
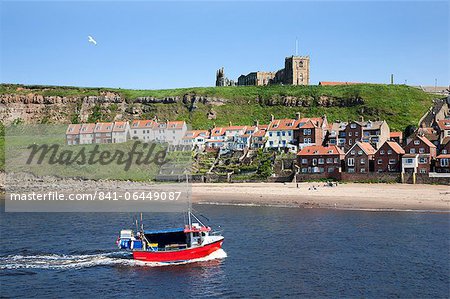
400, 105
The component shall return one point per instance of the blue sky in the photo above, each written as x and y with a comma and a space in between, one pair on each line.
152, 45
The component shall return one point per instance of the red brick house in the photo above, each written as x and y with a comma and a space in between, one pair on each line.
310, 131
420, 154
443, 160
320, 159
359, 158
388, 157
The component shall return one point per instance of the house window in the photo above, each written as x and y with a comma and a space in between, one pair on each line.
445, 162
349, 142
389, 152
329, 160
423, 171
380, 161
412, 151
351, 162
392, 161
363, 161
289, 133
283, 133
351, 170
382, 152
423, 160
271, 143
363, 170
304, 161
353, 126
416, 142
330, 169
304, 170
307, 132
307, 140
270, 134
349, 134
336, 160
352, 152
314, 162
321, 160
360, 153
421, 150
409, 161
444, 151
278, 133
356, 134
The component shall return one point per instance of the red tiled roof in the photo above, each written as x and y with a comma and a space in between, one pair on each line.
426, 141
444, 124
309, 125
396, 135
119, 126
217, 131
143, 124
365, 146
282, 124
443, 156
320, 150
73, 129
337, 83
396, 147
259, 133
103, 127
175, 125
195, 133
87, 128
315, 121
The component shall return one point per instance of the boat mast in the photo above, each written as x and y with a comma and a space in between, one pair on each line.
189, 202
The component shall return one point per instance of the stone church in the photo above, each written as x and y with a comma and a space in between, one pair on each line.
295, 72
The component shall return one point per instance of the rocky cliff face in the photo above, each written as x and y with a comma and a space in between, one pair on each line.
32, 107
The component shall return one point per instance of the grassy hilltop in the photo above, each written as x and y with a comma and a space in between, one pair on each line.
400, 105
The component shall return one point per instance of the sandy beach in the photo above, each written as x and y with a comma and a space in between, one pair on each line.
343, 196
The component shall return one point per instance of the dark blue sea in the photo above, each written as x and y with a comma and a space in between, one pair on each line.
270, 252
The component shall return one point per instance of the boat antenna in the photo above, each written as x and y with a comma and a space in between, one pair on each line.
142, 225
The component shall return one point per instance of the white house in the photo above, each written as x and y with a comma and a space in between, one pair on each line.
87, 133
195, 139
121, 132
280, 133
143, 130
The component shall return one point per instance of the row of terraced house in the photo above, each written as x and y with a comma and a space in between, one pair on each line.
321, 147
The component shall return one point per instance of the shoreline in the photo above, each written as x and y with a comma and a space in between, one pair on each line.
349, 196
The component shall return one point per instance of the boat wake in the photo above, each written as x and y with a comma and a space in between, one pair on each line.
64, 262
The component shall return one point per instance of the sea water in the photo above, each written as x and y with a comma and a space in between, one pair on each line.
267, 252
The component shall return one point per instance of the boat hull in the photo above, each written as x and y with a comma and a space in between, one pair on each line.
178, 255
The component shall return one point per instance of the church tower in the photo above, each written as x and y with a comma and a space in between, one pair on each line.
296, 70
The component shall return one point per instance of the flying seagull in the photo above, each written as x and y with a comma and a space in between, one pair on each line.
91, 40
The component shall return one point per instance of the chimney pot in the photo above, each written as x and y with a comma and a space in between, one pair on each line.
297, 115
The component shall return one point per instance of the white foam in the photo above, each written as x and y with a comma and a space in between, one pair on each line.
61, 262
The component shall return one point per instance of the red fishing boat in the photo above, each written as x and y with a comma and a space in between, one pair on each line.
193, 241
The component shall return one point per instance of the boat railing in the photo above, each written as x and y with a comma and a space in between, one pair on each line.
216, 233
